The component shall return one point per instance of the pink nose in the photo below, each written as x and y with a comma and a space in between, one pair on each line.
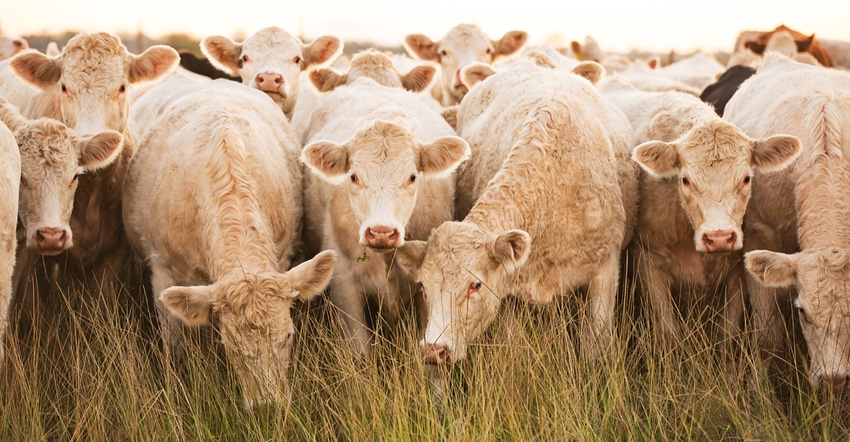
719, 241
381, 237
435, 354
50, 238
268, 82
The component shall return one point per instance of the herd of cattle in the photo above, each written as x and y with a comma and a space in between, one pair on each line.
473, 170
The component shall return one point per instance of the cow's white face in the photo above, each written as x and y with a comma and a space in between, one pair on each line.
10, 46
461, 46
253, 316
52, 157
822, 279
271, 61
714, 164
382, 166
89, 80
465, 273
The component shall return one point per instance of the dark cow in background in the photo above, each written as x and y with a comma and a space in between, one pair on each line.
718, 93
202, 66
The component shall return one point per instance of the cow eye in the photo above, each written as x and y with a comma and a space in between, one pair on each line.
122, 88
245, 59
354, 178
747, 180
489, 51
474, 288
803, 315
412, 179
64, 88
296, 60
444, 53
685, 181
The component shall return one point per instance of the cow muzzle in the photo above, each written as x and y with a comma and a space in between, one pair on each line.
270, 83
51, 240
719, 241
435, 354
382, 237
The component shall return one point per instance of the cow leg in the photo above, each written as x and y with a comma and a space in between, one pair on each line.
767, 319
7, 258
655, 284
350, 303
601, 297
169, 325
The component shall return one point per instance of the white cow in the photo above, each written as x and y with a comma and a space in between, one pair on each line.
271, 60
10, 178
694, 192
796, 225
10, 46
550, 219
382, 163
462, 45
213, 203
698, 70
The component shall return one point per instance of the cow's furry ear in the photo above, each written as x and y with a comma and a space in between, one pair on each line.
772, 269
327, 159
511, 249
193, 304
657, 158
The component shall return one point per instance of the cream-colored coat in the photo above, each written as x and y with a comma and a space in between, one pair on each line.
10, 179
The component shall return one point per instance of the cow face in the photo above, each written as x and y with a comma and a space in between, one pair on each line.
714, 164
382, 167
465, 273
253, 317
822, 279
88, 82
462, 45
52, 157
271, 60
377, 66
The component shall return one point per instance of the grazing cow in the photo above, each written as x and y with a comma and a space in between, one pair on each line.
52, 159
203, 66
550, 220
462, 45
271, 61
693, 193
86, 88
757, 42
10, 46
796, 225
10, 178
213, 203
382, 163
718, 93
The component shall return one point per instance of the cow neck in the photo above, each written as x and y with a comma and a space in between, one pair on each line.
823, 202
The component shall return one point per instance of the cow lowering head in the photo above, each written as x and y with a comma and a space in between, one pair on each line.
714, 163
462, 45
87, 84
252, 313
52, 157
822, 279
382, 166
271, 60
377, 66
465, 273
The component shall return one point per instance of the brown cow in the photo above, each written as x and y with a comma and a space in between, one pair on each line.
805, 43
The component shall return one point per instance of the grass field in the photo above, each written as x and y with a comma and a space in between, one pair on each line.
101, 376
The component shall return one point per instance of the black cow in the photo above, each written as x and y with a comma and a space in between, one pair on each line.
719, 93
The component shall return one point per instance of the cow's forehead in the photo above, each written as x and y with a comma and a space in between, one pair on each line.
272, 41
252, 302
718, 143
47, 145
465, 36
824, 280
94, 71
383, 143
455, 249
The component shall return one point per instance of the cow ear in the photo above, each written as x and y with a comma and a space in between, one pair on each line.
223, 53
419, 78
311, 277
450, 115
193, 304
511, 249
327, 159
421, 47
475, 73
576, 47
322, 50
410, 256
154, 63
100, 150
440, 158
36, 69
593, 71
326, 80
541, 59
775, 153
52, 49
511, 42
772, 269
11, 117
657, 158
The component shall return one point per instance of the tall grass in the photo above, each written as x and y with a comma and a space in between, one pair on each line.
86, 374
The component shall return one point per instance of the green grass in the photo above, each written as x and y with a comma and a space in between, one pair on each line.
100, 375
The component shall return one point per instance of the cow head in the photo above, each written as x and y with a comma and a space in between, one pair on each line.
10, 46
382, 166
52, 157
377, 66
714, 163
465, 273
462, 45
822, 279
253, 316
271, 60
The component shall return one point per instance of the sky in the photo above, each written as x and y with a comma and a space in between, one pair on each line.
617, 25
